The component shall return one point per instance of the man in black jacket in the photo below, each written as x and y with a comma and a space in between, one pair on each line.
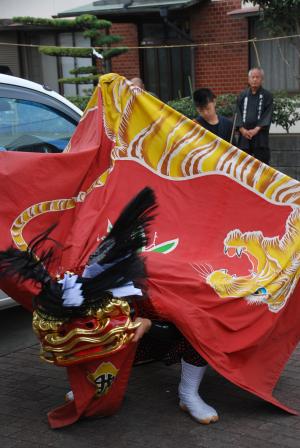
254, 115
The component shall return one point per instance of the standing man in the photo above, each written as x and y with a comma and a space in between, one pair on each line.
205, 103
254, 115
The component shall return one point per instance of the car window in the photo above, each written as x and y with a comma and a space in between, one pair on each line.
34, 127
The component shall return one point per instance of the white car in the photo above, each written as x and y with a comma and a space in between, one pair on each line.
33, 118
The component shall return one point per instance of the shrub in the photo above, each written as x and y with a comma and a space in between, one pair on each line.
79, 101
226, 104
185, 106
285, 112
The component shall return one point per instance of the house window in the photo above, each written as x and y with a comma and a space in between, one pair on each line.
278, 58
69, 63
29, 63
166, 71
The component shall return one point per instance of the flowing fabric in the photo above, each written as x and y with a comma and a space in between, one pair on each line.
224, 260
98, 388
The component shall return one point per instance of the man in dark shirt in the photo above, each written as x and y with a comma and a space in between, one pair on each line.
205, 103
254, 115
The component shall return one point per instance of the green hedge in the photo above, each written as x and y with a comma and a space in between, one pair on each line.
285, 107
185, 106
79, 101
285, 112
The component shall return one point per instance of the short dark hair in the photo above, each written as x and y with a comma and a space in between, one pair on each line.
202, 97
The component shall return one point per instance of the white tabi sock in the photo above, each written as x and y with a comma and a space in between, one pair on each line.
69, 396
190, 401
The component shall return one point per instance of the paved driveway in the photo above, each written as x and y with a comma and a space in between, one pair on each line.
149, 417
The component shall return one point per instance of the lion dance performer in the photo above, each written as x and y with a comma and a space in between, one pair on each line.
84, 322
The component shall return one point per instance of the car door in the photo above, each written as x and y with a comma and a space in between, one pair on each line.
33, 121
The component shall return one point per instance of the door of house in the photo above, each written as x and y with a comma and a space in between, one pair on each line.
166, 72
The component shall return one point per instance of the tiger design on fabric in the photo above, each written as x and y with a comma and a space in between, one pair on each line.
275, 266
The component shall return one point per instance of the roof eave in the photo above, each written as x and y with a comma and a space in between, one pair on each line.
242, 13
130, 10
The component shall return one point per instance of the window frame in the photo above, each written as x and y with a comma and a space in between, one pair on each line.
24, 93
40, 99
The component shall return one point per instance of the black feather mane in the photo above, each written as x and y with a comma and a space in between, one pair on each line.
26, 264
118, 256
129, 233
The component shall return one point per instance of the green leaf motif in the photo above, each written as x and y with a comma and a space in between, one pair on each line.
164, 248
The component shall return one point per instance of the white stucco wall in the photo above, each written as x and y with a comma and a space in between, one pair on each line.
36, 8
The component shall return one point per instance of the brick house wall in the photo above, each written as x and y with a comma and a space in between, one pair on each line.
127, 64
222, 68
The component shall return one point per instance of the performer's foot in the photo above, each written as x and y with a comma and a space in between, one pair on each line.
199, 410
190, 401
69, 396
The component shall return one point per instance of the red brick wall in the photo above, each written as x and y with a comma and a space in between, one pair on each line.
221, 68
126, 64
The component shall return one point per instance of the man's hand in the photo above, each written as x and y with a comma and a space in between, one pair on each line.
253, 132
245, 133
145, 325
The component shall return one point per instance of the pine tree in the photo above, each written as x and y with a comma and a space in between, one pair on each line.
98, 30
